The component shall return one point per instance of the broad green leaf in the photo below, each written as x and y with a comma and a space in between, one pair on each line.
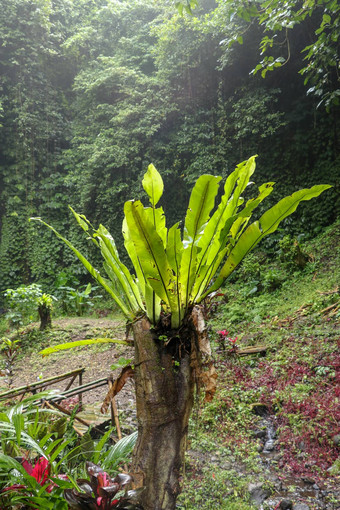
202, 201
81, 343
18, 422
120, 450
267, 224
187, 274
156, 216
119, 272
96, 275
152, 302
150, 252
120, 275
174, 247
58, 449
24, 438
174, 251
153, 185
100, 445
130, 248
216, 231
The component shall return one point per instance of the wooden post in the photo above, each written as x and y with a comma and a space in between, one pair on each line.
114, 413
80, 395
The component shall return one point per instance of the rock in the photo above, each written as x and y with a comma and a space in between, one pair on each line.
269, 446
301, 506
226, 465
258, 492
286, 504
308, 480
336, 440
259, 434
259, 409
335, 468
301, 445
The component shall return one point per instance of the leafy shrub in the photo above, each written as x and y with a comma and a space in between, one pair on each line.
49, 456
25, 301
77, 300
272, 280
250, 268
291, 253
22, 303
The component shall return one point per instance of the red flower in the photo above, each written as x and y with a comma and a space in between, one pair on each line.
223, 332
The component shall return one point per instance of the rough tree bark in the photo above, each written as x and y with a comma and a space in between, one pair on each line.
165, 376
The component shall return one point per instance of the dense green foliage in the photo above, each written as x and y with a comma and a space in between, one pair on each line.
175, 272
41, 456
92, 92
278, 21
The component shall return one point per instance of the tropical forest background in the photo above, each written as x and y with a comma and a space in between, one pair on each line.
93, 91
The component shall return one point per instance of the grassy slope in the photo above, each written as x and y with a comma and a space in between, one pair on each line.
298, 382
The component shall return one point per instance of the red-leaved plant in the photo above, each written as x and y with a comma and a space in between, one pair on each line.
101, 492
40, 471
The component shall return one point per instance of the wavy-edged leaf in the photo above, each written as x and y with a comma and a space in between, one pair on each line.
153, 185
211, 240
174, 251
267, 224
156, 216
150, 252
128, 312
152, 302
81, 343
201, 203
216, 231
119, 272
232, 229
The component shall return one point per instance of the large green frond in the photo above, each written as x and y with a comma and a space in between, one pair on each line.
128, 311
267, 224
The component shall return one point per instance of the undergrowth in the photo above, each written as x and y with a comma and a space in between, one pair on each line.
296, 383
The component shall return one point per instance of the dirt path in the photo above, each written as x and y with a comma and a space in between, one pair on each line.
96, 360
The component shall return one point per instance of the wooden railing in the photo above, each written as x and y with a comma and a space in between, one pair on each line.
54, 400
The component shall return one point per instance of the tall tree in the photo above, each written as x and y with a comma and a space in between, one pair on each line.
174, 273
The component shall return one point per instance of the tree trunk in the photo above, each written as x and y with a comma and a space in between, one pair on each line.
45, 317
164, 397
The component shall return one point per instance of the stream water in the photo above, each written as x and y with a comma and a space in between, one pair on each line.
292, 493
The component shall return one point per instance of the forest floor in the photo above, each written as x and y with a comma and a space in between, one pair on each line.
270, 439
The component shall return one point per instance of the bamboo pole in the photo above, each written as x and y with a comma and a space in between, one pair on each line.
68, 413
39, 384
